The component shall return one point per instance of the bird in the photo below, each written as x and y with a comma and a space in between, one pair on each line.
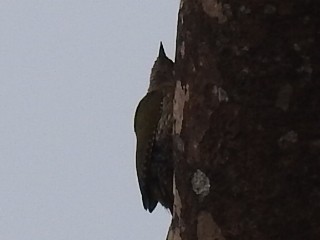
153, 126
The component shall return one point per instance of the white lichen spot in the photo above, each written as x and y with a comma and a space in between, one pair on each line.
181, 19
245, 10
245, 70
284, 96
181, 96
177, 200
214, 9
296, 47
291, 136
207, 228
221, 94
287, 139
200, 183
269, 9
182, 49
240, 50
181, 4
245, 48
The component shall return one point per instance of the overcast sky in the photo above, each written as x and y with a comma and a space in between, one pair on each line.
71, 75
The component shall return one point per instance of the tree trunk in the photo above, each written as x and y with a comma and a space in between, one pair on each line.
247, 120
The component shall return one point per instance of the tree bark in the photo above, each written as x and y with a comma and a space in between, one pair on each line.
247, 120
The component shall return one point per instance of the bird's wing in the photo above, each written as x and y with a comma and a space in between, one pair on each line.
146, 121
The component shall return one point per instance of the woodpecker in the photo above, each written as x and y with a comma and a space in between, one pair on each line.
153, 128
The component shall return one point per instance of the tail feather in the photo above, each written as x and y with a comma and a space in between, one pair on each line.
149, 204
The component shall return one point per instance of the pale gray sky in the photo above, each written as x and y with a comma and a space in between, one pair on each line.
71, 75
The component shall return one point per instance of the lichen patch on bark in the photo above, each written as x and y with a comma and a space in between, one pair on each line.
200, 183
180, 98
177, 200
214, 9
221, 94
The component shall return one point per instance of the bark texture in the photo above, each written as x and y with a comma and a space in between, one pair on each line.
247, 120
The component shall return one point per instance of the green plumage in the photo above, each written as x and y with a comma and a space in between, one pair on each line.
147, 117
